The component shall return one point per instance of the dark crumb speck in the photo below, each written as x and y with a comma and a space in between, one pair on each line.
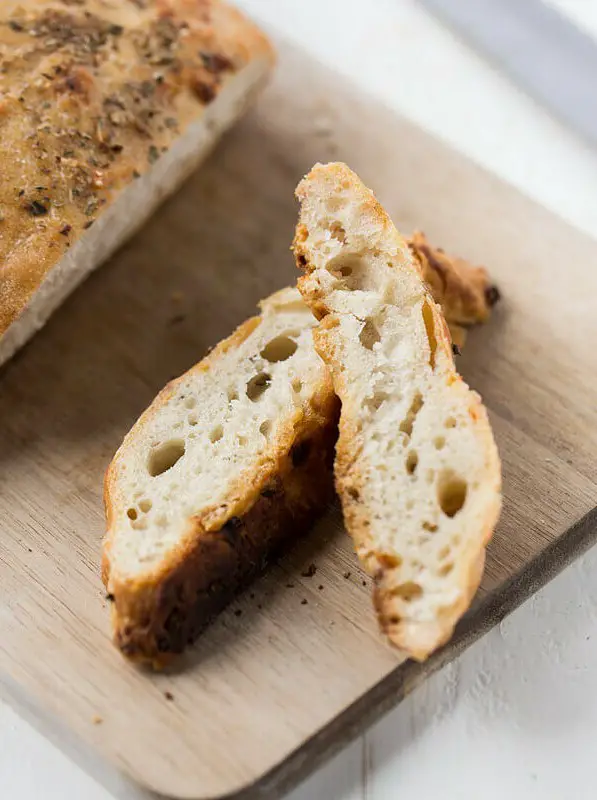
492, 295
169, 696
364, 583
238, 612
290, 585
30, 549
320, 587
176, 320
36, 209
347, 574
110, 597
456, 350
66, 229
259, 606
88, 224
252, 595
310, 571
304, 601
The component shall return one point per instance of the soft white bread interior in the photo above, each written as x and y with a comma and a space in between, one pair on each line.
417, 468
229, 461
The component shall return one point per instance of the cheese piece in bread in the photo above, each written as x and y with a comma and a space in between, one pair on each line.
417, 469
228, 462
104, 109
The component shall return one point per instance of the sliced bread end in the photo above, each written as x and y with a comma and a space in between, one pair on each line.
417, 469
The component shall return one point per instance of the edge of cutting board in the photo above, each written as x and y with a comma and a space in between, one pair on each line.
392, 689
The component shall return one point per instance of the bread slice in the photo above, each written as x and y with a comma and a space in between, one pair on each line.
228, 462
104, 109
417, 468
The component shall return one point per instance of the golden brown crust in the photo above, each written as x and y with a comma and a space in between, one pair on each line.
464, 292
464, 300
91, 95
155, 615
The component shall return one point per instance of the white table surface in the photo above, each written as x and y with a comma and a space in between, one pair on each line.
516, 715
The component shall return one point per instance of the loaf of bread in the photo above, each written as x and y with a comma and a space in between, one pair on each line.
105, 107
229, 461
417, 469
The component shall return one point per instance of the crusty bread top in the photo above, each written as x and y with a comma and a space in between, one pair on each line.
213, 439
416, 468
91, 93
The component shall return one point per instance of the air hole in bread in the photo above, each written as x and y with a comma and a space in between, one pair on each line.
193, 419
430, 330
279, 349
145, 506
439, 442
257, 386
165, 457
445, 570
412, 459
389, 560
132, 513
408, 591
450, 422
232, 394
451, 492
139, 524
190, 402
344, 266
444, 552
369, 335
430, 526
406, 426
242, 441
265, 428
374, 403
216, 434
336, 203
297, 385
338, 232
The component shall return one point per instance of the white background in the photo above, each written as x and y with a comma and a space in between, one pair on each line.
516, 715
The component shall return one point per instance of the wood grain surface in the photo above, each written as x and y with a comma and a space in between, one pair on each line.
266, 695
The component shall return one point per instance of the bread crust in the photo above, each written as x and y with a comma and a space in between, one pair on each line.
224, 547
465, 292
90, 98
414, 638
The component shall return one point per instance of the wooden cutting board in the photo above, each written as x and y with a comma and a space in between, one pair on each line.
275, 685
